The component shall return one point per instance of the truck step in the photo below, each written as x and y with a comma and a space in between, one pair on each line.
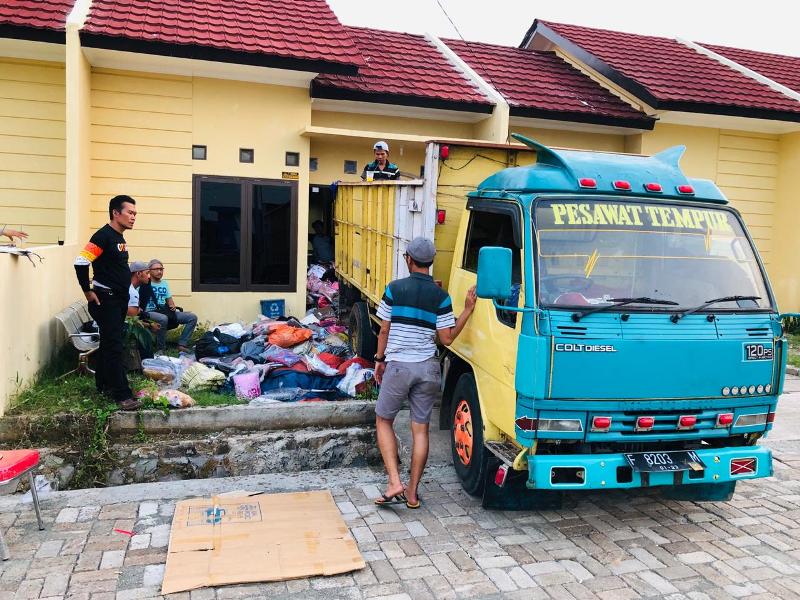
504, 451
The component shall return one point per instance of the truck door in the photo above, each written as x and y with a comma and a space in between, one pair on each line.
489, 342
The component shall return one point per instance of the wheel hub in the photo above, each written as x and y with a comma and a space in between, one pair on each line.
462, 432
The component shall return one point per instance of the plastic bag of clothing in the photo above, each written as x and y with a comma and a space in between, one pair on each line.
162, 371
276, 354
353, 378
235, 330
288, 336
216, 343
330, 359
200, 377
312, 385
253, 349
362, 362
247, 385
315, 365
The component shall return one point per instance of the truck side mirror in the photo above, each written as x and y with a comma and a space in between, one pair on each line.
494, 273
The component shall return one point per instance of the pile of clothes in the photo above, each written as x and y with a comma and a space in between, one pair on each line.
322, 288
279, 360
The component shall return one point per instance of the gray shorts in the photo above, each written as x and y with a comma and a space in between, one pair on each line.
418, 383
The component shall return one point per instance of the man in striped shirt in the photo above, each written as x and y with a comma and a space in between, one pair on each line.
414, 312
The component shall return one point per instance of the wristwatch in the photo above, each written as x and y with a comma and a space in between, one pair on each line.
379, 359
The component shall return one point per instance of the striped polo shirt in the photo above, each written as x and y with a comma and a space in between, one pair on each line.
416, 307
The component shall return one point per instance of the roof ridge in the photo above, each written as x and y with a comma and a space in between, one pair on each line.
732, 64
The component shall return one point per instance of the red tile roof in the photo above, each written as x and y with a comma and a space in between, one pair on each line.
34, 19
668, 74
540, 84
298, 34
402, 68
778, 67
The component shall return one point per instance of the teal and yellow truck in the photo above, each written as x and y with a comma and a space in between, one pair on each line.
625, 334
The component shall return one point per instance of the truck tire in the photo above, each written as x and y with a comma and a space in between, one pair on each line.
363, 339
470, 457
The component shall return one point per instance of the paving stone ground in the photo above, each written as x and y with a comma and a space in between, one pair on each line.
608, 546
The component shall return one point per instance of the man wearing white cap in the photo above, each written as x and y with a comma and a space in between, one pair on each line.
380, 168
415, 312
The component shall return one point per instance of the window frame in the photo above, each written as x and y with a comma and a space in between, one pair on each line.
246, 233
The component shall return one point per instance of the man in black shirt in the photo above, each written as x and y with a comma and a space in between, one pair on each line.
107, 295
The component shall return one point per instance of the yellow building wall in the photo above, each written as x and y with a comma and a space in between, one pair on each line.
31, 336
743, 164
32, 149
143, 128
562, 138
784, 271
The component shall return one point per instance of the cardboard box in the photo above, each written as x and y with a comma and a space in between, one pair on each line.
265, 537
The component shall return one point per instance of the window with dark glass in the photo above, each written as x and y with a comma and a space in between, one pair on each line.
244, 234
494, 229
247, 155
350, 166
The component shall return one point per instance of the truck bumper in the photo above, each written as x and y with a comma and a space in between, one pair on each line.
604, 471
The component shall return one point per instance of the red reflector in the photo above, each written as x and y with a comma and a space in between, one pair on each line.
724, 419
500, 476
601, 423
687, 421
444, 152
743, 466
771, 418
645, 423
652, 187
685, 189
622, 185
587, 182
526, 423
440, 216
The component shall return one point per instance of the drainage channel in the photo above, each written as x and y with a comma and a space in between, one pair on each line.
197, 443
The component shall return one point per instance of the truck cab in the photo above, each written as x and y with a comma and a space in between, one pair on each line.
626, 335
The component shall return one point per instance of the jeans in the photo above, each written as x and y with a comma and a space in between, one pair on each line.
187, 319
110, 375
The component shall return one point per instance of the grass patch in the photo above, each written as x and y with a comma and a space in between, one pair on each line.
794, 349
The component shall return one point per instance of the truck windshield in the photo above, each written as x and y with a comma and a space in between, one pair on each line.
590, 251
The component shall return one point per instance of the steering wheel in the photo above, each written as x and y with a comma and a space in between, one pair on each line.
579, 284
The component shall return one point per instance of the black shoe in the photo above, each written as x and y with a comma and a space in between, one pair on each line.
129, 404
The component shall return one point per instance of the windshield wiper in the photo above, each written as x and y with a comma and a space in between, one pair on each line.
577, 316
678, 316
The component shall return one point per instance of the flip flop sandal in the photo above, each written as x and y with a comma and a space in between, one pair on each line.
385, 500
414, 505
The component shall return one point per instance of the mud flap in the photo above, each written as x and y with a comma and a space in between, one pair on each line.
515, 495
701, 492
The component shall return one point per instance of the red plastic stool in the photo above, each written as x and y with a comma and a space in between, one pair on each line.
13, 465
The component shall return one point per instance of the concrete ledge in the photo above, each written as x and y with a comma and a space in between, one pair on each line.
248, 418
792, 370
289, 416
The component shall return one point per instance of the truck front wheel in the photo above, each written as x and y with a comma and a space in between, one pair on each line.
363, 339
470, 458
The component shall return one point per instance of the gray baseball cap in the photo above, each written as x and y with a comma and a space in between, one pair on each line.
381, 146
421, 249
139, 265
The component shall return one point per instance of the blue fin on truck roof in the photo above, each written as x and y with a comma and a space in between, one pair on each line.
560, 171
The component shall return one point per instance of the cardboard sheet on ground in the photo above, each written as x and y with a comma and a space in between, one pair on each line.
248, 538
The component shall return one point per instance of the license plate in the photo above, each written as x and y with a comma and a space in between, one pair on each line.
682, 460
